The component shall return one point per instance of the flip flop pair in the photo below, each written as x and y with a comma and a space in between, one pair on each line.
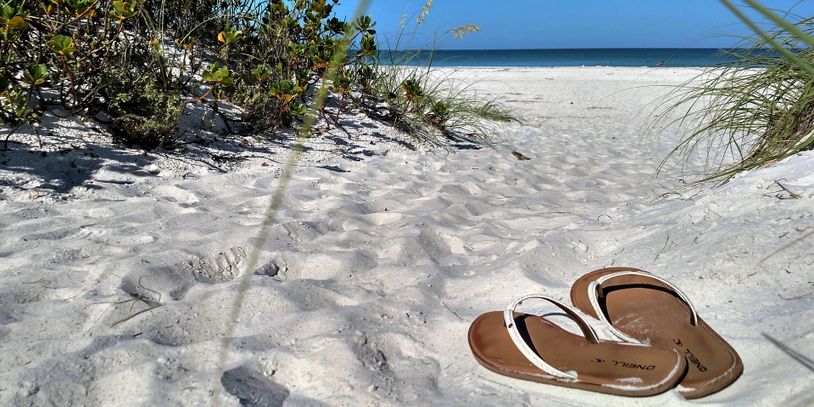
661, 342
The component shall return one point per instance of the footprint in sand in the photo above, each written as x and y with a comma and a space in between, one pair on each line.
222, 267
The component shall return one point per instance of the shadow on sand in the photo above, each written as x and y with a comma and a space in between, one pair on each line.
64, 153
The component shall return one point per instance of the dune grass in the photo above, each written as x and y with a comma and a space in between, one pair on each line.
754, 112
424, 102
431, 106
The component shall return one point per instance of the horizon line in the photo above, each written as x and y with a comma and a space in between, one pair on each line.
558, 49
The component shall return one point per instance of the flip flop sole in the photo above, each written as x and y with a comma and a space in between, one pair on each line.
606, 367
647, 310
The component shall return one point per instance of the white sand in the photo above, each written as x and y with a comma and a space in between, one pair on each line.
383, 255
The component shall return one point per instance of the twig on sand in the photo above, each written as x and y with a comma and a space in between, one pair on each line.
43, 282
666, 242
793, 195
10, 133
134, 299
786, 246
666, 194
450, 310
335, 121
127, 318
799, 357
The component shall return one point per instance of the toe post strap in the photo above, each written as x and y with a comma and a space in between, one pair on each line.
595, 291
527, 351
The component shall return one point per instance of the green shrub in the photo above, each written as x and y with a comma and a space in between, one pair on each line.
143, 61
144, 115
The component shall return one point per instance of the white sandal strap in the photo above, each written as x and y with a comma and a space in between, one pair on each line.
596, 286
523, 347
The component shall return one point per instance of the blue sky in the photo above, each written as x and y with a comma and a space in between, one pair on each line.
517, 24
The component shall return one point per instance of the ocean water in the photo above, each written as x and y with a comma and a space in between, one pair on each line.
669, 57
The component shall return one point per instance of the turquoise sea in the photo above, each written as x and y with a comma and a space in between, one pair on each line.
669, 57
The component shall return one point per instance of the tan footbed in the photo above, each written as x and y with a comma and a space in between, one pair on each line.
648, 310
605, 367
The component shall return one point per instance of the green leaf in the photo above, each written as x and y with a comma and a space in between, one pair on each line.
412, 89
229, 36
367, 46
440, 112
297, 109
261, 72
364, 23
123, 9
36, 74
282, 87
217, 74
8, 12
336, 26
78, 7
209, 77
62, 45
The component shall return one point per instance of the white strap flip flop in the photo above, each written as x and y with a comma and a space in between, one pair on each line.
531, 347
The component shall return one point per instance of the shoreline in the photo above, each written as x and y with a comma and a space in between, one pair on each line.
557, 67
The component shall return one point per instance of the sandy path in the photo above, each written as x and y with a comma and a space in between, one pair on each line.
371, 276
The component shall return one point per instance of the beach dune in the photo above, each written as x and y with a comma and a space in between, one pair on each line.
115, 289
